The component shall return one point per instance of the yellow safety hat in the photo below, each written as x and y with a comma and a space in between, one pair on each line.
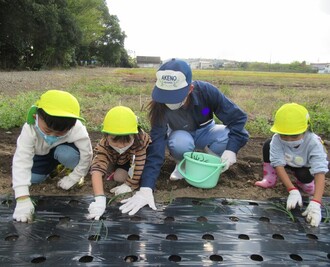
120, 120
291, 119
56, 103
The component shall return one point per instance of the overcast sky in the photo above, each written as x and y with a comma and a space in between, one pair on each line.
276, 31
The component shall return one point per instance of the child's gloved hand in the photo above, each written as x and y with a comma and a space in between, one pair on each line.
141, 198
121, 189
97, 208
294, 199
229, 158
66, 182
24, 210
313, 213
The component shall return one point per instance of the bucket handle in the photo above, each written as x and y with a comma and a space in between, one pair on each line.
221, 166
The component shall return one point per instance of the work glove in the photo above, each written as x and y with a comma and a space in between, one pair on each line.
121, 189
229, 158
294, 198
24, 210
313, 213
97, 208
141, 198
66, 182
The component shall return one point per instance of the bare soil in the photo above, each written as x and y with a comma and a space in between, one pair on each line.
236, 183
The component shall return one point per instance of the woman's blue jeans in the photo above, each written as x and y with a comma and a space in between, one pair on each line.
215, 136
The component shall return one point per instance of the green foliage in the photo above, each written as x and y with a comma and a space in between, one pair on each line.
13, 111
259, 126
320, 117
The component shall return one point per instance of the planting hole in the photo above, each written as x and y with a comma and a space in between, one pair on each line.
244, 237
131, 258
86, 259
202, 219
175, 258
74, 203
278, 236
296, 257
171, 237
208, 237
64, 220
216, 258
11, 238
253, 204
256, 257
6, 202
233, 218
133, 237
38, 259
311, 236
53, 238
264, 219
169, 219
94, 237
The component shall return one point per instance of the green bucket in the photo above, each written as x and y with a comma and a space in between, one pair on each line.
200, 169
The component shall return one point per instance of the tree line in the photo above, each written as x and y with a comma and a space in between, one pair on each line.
37, 34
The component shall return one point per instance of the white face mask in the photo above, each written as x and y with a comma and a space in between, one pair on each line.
293, 144
123, 149
175, 106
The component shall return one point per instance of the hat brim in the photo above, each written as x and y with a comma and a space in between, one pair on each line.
170, 96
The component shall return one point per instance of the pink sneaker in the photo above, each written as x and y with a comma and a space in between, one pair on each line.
270, 178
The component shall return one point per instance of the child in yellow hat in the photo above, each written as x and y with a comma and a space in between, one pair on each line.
52, 135
293, 148
122, 149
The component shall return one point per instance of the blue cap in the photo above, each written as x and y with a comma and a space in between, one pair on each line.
173, 81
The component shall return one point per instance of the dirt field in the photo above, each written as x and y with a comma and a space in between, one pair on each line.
236, 183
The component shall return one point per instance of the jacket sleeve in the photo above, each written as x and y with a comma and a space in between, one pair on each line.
232, 116
140, 158
23, 161
155, 156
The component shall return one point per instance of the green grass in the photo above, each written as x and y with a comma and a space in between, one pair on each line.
259, 94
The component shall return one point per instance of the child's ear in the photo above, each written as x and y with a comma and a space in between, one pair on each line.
32, 114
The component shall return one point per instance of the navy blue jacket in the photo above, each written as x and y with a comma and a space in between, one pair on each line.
207, 101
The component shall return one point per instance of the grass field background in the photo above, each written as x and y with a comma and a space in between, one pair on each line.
260, 94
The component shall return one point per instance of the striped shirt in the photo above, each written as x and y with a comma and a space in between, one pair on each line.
105, 157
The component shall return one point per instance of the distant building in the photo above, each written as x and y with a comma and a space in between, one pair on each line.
148, 62
321, 67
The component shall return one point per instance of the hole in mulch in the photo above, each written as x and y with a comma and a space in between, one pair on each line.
256, 257
216, 258
131, 258
171, 237
38, 259
253, 204
133, 237
6, 202
169, 219
202, 219
64, 220
233, 218
53, 238
94, 237
311, 236
264, 219
296, 257
86, 259
11, 238
244, 237
175, 258
278, 236
74, 203
208, 237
